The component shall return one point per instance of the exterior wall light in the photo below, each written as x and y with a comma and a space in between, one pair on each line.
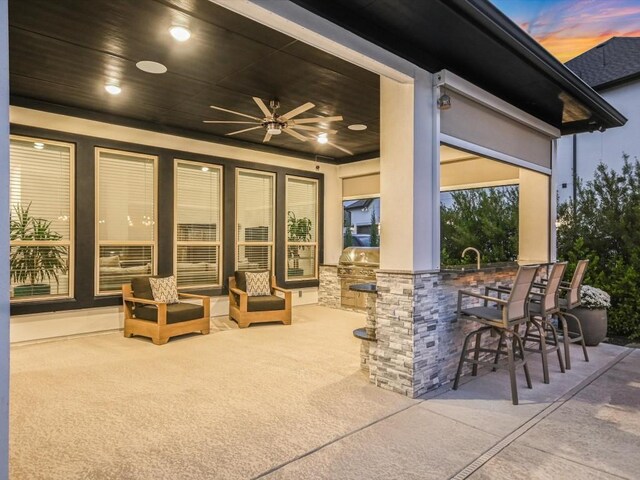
444, 102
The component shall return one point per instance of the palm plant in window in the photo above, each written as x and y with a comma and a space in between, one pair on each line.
33, 267
299, 230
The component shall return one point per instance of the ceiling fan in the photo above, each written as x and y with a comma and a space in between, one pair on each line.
275, 124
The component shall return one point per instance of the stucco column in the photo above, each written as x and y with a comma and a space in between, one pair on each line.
4, 240
409, 175
404, 356
534, 222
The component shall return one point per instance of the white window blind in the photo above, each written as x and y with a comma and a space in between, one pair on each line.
41, 228
126, 215
302, 228
255, 201
198, 229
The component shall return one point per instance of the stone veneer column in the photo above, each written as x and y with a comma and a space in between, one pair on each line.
419, 338
329, 289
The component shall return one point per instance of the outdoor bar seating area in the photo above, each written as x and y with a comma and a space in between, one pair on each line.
532, 302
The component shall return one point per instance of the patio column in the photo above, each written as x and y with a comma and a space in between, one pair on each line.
4, 240
409, 175
404, 356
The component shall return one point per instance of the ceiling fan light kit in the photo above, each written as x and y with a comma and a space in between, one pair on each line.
274, 123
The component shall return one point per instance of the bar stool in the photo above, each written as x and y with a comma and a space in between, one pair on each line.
544, 304
501, 319
572, 300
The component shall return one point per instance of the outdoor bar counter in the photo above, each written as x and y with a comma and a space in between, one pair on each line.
418, 339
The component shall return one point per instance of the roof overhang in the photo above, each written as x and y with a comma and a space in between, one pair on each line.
473, 39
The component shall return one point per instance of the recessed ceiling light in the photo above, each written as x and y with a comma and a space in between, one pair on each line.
357, 127
151, 67
112, 88
182, 34
38, 145
322, 138
205, 169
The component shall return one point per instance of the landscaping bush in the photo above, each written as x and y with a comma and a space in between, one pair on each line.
603, 225
484, 218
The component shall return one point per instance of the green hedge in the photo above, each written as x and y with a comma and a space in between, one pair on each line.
603, 225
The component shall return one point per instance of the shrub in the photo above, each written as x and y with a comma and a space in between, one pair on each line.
485, 218
603, 225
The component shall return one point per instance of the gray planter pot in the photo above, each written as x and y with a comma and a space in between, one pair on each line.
593, 322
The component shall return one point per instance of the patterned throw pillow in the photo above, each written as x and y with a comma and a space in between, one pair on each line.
258, 284
164, 289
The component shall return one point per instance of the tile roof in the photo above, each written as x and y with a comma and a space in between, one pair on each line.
610, 62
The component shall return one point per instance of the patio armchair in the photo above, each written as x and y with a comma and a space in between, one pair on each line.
160, 321
246, 309
499, 316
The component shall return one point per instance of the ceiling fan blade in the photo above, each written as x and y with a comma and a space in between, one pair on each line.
337, 118
245, 130
262, 106
295, 134
313, 128
340, 148
267, 137
297, 111
230, 121
235, 113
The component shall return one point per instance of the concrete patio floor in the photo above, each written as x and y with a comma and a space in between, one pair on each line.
282, 402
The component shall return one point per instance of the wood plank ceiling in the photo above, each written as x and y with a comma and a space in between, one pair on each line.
63, 52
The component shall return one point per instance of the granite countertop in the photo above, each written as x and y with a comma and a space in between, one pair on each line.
472, 267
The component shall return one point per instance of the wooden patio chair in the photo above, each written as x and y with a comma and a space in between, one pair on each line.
161, 321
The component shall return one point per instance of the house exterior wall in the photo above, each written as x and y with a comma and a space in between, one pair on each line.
606, 147
360, 217
35, 326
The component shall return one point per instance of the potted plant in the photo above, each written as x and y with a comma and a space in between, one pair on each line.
31, 265
592, 314
299, 230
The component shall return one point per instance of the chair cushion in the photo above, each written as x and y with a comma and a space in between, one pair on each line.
258, 284
176, 312
265, 303
141, 288
112, 261
241, 278
487, 313
165, 289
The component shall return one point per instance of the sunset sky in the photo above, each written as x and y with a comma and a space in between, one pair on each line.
568, 28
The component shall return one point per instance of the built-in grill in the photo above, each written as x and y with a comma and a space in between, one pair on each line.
357, 265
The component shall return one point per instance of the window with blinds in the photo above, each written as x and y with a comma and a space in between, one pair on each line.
41, 218
126, 218
198, 224
302, 228
255, 202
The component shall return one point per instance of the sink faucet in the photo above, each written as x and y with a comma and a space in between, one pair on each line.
477, 253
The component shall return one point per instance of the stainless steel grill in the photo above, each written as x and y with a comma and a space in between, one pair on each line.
357, 265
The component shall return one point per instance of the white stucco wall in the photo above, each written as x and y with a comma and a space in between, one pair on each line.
606, 147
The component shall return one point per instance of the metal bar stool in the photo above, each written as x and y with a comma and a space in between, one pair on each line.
544, 304
501, 318
572, 300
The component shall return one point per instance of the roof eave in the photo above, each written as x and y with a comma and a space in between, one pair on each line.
481, 11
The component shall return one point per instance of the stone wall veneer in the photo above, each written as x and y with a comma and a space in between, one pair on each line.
329, 290
419, 338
